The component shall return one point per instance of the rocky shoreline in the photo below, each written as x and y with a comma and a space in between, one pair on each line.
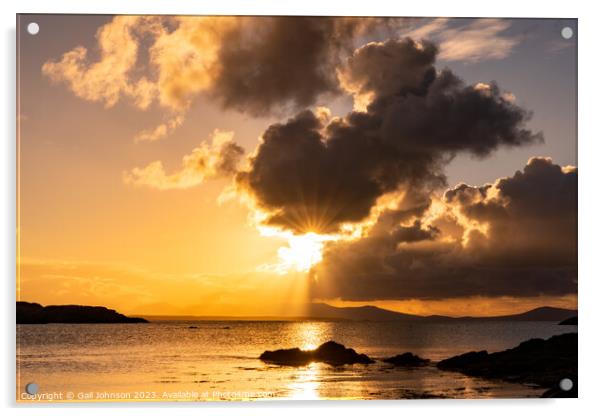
536, 361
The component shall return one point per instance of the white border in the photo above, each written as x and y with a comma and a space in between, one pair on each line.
589, 188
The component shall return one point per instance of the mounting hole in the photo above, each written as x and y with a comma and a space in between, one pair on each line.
33, 28
32, 388
566, 384
566, 32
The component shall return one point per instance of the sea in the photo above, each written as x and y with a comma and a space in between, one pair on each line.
218, 360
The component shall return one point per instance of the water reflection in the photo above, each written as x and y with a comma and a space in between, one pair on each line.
312, 334
216, 360
307, 378
306, 384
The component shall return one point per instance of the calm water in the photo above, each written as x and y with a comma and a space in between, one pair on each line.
218, 360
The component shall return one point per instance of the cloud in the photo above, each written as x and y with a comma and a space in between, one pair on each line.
286, 62
255, 65
314, 174
481, 39
516, 237
181, 61
220, 158
429, 29
160, 131
108, 79
387, 68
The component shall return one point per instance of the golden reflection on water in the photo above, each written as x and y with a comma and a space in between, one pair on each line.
208, 361
307, 378
312, 334
306, 384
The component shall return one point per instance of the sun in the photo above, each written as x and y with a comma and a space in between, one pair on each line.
302, 252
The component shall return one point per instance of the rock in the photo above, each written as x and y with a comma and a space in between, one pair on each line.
330, 353
465, 360
407, 359
292, 356
537, 361
569, 321
336, 354
34, 313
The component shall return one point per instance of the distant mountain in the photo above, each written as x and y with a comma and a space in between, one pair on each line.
358, 313
373, 313
34, 313
545, 313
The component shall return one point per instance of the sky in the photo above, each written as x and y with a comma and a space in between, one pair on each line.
247, 166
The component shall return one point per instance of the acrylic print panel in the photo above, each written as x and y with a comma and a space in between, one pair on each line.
262, 208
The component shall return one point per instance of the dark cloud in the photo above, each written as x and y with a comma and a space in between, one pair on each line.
307, 183
390, 68
278, 63
414, 233
532, 218
517, 238
314, 175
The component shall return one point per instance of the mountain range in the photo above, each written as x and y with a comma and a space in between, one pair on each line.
373, 313
322, 311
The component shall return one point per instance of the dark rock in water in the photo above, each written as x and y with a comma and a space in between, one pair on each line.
336, 354
569, 321
34, 313
292, 356
330, 352
407, 359
463, 360
537, 361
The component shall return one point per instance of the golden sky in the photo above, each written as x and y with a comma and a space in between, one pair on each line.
215, 166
